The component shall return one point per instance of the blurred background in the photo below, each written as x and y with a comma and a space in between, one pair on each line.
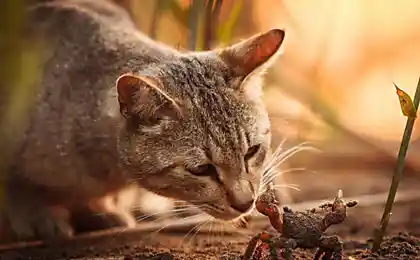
332, 86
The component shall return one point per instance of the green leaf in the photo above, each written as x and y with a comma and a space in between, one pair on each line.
224, 33
407, 106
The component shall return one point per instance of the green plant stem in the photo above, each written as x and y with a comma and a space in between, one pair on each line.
224, 30
19, 71
211, 20
397, 174
155, 18
208, 25
193, 21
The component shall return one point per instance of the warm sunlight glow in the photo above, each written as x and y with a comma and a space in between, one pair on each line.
357, 47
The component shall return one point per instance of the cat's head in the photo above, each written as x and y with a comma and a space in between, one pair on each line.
195, 127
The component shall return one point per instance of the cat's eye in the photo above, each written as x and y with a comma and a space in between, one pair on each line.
252, 151
204, 170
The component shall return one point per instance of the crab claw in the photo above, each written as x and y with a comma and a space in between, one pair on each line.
266, 200
269, 210
338, 203
340, 194
352, 203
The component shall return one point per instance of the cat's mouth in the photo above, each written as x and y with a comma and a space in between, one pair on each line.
230, 212
241, 207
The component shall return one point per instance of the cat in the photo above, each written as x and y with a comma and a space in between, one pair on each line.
115, 108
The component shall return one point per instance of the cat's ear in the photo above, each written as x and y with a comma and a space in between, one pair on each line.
143, 102
252, 53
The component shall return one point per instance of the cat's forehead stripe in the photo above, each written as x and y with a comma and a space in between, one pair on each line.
204, 84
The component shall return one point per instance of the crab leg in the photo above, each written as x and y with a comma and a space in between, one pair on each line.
273, 252
251, 246
258, 252
286, 244
318, 253
332, 247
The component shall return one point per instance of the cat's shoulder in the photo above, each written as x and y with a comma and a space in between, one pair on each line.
81, 15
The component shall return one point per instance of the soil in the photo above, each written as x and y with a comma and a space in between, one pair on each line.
218, 241
173, 245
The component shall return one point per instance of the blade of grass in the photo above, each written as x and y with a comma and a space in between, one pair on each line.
208, 24
155, 18
18, 71
193, 23
397, 174
225, 30
211, 20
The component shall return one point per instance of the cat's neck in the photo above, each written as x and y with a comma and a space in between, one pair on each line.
138, 51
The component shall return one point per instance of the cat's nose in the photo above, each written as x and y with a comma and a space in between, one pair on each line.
243, 206
241, 197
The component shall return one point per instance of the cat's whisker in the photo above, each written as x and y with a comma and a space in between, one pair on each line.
290, 185
279, 147
176, 214
185, 202
294, 187
182, 242
167, 225
279, 157
287, 155
196, 227
144, 217
278, 173
299, 147
275, 154
274, 172
179, 203
265, 183
205, 223
165, 217
179, 210
272, 160
201, 208
189, 231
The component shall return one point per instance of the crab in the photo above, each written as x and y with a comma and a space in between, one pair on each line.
293, 229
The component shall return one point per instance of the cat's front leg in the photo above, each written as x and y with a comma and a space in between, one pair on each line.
31, 220
118, 205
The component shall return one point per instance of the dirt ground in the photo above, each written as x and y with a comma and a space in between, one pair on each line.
209, 242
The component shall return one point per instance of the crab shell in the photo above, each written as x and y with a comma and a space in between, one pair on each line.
304, 227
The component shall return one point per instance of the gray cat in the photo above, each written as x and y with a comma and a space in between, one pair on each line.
115, 108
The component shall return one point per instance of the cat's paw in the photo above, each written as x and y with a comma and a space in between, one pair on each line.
85, 220
26, 222
114, 209
151, 205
